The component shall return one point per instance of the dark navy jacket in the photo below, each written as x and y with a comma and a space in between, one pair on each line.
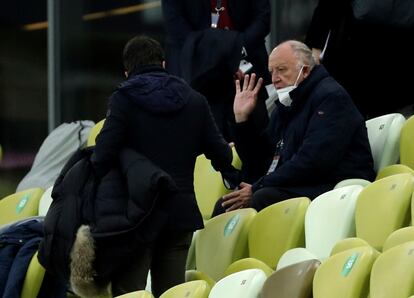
162, 118
324, 140
251, 18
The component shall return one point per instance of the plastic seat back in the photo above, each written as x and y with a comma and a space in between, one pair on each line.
383, 207
20, 205
45, 201
330, 218
384, 138
208, 183
33, 279
345, 275
243, 284
294, 281
94, 133
393, 170
407, 144
277, 228
193, 289
393, 272
398, 237
137, 294
222, 241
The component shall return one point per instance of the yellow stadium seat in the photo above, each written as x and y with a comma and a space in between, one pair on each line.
383, 207
137, 294
94, 133
208, 183
33, 279
398, 237
222, 241
345, 275
274, 230
392, 274
20, 205
193, 289
407, 144
348, 243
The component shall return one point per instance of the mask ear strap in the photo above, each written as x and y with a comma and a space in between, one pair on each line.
297, 78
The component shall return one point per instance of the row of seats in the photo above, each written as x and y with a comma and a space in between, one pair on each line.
352, 271
281, 250
275, 237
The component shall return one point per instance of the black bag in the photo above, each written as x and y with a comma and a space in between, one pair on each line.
390, 13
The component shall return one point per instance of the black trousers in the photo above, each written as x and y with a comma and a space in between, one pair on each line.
261, 199
166, 259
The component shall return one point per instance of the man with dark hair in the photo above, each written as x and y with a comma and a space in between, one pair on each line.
162, 118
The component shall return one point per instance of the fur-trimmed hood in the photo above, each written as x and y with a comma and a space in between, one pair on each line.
82, 272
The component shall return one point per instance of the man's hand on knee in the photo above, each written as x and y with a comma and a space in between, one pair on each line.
239, 198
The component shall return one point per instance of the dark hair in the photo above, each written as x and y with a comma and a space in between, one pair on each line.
142, 50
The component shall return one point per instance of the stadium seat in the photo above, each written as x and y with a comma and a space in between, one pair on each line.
393, 170
406, 164
384, 139
20, 205
45, 201
208, 183
383, 207
392, 274
294, 281
329, 218
345, 275
33, 279
348, 243
398, 237
222, 241
407, 144
274, 230
137, 294
193, 289
243, 284
94, 133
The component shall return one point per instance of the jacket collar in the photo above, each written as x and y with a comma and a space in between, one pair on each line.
304, 89
147, 69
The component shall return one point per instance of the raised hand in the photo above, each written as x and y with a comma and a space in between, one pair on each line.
246, 97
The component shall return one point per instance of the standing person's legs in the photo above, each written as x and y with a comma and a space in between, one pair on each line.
168, 261
132, 275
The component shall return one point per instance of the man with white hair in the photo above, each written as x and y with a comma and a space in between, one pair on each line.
316, 136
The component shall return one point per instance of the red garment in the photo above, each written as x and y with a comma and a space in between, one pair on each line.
224, 20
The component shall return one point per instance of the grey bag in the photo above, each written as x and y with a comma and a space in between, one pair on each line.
54, 152
390, 13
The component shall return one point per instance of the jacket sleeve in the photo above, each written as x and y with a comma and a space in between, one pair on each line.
112, 137
254, 148
259, 27
328, 137
217, 149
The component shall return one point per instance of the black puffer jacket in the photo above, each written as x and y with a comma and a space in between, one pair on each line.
92, 224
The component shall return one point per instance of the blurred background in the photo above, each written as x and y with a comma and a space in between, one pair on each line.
61, 59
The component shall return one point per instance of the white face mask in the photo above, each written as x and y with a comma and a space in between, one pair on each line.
283, 93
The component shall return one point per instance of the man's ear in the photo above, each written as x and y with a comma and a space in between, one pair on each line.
306, 71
